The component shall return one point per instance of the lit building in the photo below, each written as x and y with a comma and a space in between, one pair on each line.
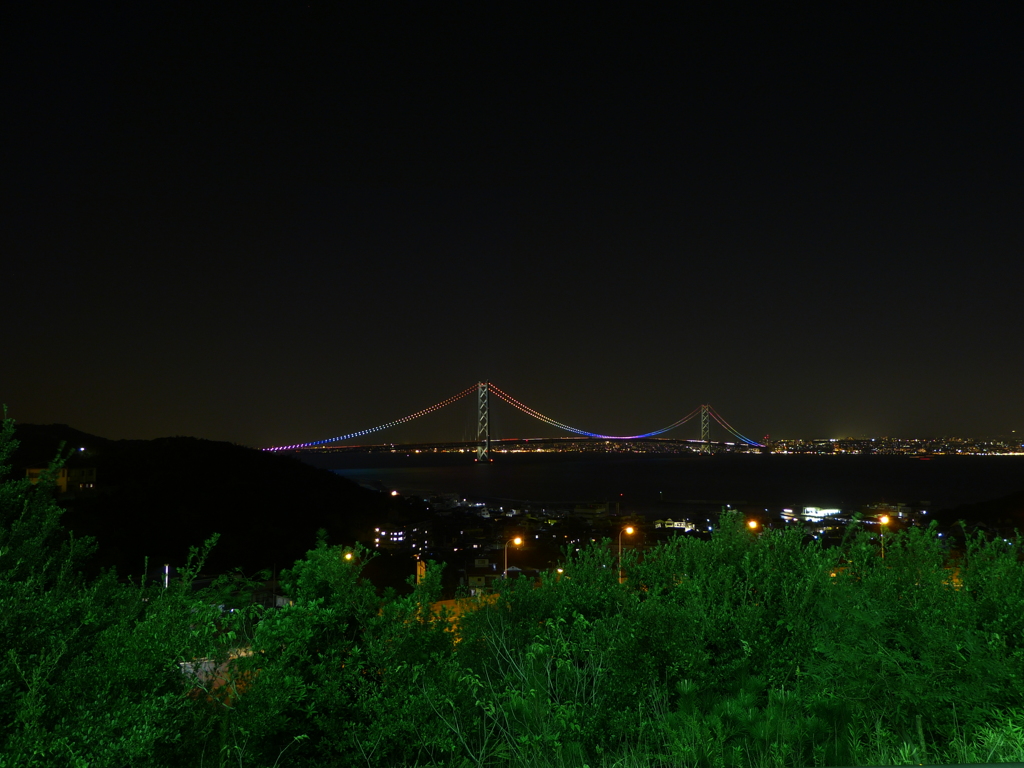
74, 479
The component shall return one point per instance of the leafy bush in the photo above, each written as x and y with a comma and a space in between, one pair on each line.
90, 673
749, 649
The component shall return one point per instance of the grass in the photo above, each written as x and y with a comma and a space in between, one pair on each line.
870, 744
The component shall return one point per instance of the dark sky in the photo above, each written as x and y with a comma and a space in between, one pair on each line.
279, 224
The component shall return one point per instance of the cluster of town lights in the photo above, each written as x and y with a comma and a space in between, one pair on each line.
628, 530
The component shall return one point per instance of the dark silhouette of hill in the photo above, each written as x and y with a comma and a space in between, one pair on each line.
38, 444
1000, 516
157, 498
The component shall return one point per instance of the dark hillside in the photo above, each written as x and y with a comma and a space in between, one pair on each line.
1002, 516
156, 498
38, 444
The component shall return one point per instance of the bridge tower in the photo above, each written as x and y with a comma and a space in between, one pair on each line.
483, 424
705, 429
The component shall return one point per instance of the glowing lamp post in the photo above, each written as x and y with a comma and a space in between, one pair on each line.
882, 522
752, 525
517, 541
628, 530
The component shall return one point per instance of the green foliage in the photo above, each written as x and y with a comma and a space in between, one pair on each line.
748, 648
752, 649
89, 674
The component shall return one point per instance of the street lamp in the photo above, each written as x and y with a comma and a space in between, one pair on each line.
883, 521
628, 530
517, 541
752, 524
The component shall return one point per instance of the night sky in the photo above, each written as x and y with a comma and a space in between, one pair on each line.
279, 224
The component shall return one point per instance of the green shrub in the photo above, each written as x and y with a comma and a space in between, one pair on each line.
751, 649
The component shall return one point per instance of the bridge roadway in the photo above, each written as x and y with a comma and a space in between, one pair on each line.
552, 444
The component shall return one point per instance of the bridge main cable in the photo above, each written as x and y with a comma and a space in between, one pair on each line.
525, 409
715, 415
396, 422
547, 420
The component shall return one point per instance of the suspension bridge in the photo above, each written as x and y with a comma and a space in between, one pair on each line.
485, 389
